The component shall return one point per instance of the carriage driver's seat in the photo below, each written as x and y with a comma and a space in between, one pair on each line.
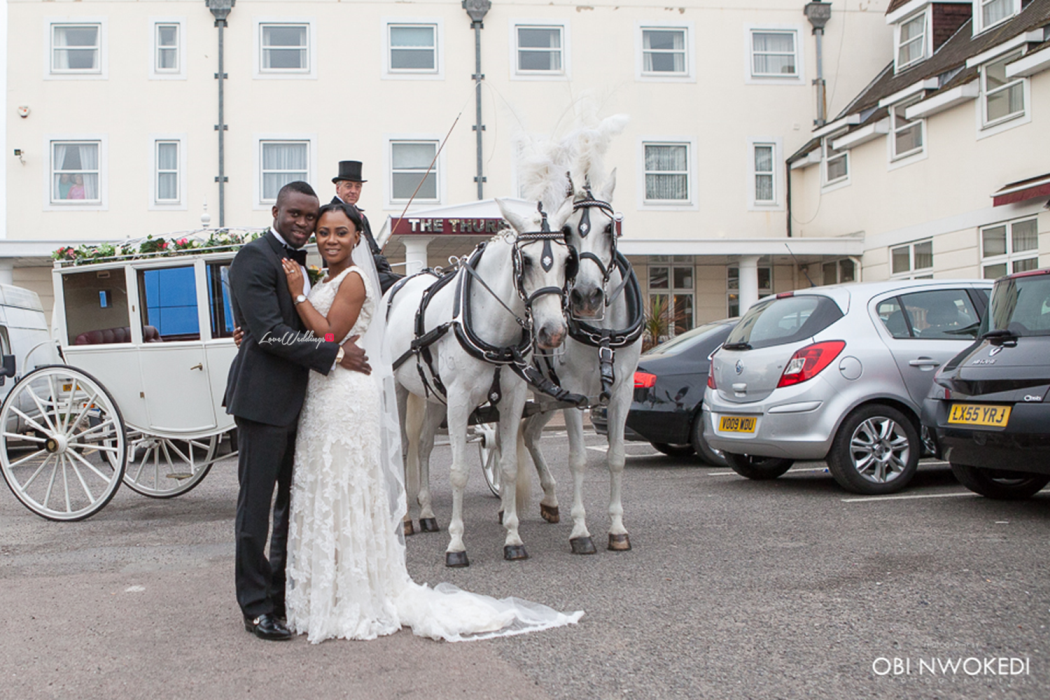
150, 334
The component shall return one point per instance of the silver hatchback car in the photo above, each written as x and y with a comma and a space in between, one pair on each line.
838, 373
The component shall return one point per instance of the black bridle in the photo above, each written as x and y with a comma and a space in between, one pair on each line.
586, 204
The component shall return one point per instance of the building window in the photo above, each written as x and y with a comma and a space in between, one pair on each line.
912, 261
75, 172
413, 48
409, 165
1008, 248
765, 179
167, 176
1003, 97
284, 48
773, 54
908, 134
539, 50
664, 52
765, 287
992, 12
76, 48
666, 172
836, 162
839, 272
671, 290
167, 54
911, 41
282, 162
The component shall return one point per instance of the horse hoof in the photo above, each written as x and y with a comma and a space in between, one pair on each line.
500, 516
619, 543
409, 530
428, 525
582, 545
514, 552
456, 560
550, 513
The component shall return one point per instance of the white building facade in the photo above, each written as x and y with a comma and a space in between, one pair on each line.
113, 112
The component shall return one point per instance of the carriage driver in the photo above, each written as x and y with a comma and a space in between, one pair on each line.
348, 185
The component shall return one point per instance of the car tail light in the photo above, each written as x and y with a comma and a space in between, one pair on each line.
810, 361
785, 295
711, 379
644, 380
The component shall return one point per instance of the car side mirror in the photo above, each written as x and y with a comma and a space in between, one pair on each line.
7, 368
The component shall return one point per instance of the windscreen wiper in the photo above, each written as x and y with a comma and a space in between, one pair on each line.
742, 345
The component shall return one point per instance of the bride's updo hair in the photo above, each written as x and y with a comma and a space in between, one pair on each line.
350, 212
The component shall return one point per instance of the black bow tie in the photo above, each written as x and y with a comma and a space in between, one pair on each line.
296, 254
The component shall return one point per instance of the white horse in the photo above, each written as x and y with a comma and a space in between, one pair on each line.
603, 301
458, 359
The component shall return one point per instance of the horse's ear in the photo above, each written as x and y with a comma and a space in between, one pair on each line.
570, 189
517, 221
606, 194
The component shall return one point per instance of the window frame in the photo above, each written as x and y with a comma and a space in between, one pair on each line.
49, 49
438, 72
388, 169
258, 203
156, 204
927, 39
797, 78
825, 144
897, 159
260, 73
100, 204
180, 48
979, 27
988, 128
671, 291
566, 64
763, 292
777, 203
691, 174
688, 75
1010, 256
912, 273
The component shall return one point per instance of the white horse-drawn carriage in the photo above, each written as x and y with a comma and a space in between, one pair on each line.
130, 387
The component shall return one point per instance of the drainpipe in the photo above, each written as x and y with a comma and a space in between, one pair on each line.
221, 9
477, 9
818, 14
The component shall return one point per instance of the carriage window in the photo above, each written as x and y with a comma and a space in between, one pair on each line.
169, 304
221, 310
96, 305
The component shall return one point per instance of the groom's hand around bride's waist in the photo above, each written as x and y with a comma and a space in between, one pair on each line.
354, 358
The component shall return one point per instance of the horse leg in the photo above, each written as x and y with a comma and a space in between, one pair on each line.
431, 422
409, 449
580, 538
532, 431
509, 425
619, 540
458, 414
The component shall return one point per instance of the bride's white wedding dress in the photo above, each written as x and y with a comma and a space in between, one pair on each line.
346, 562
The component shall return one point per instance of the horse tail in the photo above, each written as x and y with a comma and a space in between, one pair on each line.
414, 411
523, 484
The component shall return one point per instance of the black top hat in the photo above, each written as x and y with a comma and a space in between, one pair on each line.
349, 170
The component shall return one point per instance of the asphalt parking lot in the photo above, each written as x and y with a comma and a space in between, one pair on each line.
734, 589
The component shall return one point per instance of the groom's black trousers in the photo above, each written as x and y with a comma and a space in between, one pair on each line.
266, 453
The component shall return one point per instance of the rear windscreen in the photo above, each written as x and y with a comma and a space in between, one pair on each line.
1020, 305
784, 320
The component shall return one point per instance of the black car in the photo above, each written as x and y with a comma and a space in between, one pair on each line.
668, 389
988, 411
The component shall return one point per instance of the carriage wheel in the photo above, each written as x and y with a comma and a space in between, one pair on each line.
488, 449
162, 468
62, 450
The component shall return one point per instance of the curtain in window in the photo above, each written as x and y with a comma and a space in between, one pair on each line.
284, 47
167, 171
409, 161
1024, 236
412, 48
539, 48
774, 53
75, 168
763, 173
666, 173
75, 48
663, 51
912, 40
996, 10
993, 241
924, 255
282, 163
167, 47
901, 260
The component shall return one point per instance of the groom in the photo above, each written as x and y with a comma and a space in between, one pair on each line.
264, 392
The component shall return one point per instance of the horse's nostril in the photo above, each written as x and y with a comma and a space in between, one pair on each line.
575, 296
596, 297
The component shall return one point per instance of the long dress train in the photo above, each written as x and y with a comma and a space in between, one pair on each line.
346, 562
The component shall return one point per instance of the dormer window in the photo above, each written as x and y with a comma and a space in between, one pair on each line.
912, 40
988, 13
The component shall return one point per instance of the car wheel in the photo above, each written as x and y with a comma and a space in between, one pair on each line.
876, 451
757, 468
707, 453
674, 450
998, 484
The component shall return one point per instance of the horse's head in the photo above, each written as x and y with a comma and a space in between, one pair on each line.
591, 230
543, 268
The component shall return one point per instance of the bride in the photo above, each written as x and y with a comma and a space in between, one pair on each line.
346, 555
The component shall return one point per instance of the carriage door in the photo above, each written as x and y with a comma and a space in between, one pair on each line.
174, 370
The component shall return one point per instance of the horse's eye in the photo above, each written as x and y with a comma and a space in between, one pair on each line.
608, 228
566, 230
526, 262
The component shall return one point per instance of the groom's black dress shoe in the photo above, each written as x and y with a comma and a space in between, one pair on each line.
279, 613
267, 627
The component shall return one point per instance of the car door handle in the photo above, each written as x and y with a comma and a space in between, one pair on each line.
924, 362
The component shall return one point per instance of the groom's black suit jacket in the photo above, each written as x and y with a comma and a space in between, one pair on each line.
267, 380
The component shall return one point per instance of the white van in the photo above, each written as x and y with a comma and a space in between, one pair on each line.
25, 341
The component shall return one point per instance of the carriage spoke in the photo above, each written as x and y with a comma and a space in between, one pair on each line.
89, 465
69, 407
25, 459
93, 446
87, 406
43, 412
50, 484
38, 469
96, 428
19, 436
80, 478
30, 421
65, 482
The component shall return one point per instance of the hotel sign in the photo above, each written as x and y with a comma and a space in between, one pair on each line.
448, 227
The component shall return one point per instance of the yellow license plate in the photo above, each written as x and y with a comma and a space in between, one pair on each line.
973, 414
737, 424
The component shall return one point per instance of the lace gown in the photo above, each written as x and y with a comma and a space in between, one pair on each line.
346, 564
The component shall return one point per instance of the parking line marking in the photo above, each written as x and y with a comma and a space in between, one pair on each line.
907, 498
793, 471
